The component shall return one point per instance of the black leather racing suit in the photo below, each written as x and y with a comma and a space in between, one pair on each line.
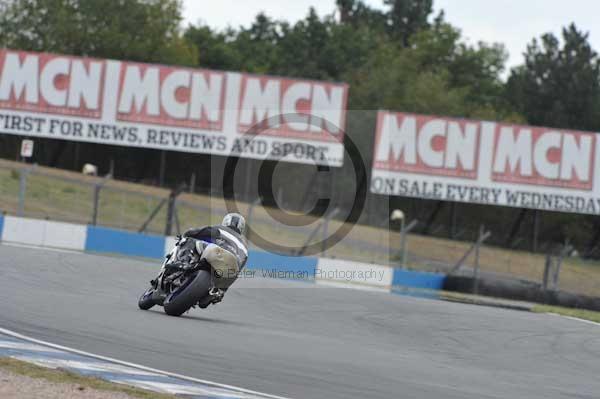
227, 239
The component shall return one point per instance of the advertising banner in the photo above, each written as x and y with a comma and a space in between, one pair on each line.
484, 162
171, 108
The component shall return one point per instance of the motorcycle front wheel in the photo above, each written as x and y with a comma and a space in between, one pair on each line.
187, 295
146, 302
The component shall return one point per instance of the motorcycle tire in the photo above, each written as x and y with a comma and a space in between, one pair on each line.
186, 296
146, 301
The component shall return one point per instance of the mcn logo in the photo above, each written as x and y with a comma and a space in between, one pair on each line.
543, 156
51, 84
171, 96
427, 145
299, 109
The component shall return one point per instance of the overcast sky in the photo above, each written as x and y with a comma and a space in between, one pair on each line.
512, 22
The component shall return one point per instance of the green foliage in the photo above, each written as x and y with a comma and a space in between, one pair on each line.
407, 17
578, 313
356, 13
137, 30
436, 74
214, 50
401, 57
393, 59
559, 84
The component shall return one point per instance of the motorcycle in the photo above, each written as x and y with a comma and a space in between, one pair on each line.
187, 277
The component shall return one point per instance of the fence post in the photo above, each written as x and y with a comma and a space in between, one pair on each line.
565, 250
321, 225
480, 240
193, 183
403, 233
536, 228
162, 167
170, 212
556, 273
547, 267
96, 199
324, 236
176, 215
22, 191
171, 208
96, 203
553, 266
477, 248
152, 215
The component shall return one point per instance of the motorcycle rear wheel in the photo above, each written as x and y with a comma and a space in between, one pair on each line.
186, 296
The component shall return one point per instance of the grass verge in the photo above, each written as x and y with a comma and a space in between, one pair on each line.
471, 299
579, 313
66, 377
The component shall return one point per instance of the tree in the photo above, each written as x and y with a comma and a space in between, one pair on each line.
558, 85
436, 72
214, 50
138, 30
407, 17
134, 30
477, 69
257, 45
346, 9
357, 13
314, 47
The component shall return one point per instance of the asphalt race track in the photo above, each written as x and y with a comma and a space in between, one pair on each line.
297, 340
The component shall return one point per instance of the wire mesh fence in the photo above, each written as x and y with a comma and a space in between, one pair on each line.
45, 193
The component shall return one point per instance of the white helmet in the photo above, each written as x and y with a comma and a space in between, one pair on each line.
235, 221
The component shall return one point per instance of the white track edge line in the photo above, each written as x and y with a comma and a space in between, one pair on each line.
575, 318
138, 366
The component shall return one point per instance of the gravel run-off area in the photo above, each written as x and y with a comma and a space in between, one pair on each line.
14, 386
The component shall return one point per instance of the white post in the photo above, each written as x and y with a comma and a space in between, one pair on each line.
396, 216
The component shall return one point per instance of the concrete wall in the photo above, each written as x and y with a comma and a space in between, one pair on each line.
43, 233
102, 239
360, 275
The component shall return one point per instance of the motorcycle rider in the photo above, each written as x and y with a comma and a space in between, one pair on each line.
228, 236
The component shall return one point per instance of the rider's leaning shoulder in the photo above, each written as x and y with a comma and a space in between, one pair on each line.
200, 268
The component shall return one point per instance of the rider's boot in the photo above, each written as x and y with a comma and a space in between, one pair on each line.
215, 295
